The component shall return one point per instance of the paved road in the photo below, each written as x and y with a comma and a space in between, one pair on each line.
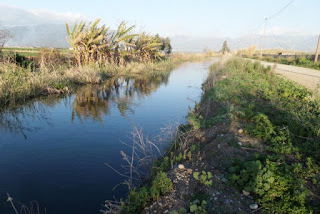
307, 77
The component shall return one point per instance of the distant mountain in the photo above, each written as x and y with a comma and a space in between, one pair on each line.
195, 44
44, 35
54, 35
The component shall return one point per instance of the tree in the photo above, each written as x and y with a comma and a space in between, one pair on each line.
224, 48
5, 35
94, 44
167, 45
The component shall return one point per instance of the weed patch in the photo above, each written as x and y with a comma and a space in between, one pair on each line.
285, 118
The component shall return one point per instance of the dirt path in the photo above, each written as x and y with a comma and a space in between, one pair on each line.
307, 77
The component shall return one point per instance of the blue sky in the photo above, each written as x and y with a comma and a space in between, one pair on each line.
207, 18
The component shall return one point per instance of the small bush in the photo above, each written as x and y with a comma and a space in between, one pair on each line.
274, 183
137, 200
160, 186
198, 207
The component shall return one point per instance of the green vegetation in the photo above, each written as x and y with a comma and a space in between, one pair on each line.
197, 121
160, 186
198, 207
298, 61
180, 211
284, 177
138, 199
225, 48
203, 177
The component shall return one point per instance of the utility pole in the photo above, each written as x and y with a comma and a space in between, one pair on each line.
317, 51
264, 33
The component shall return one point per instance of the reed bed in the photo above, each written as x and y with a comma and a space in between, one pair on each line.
19, 84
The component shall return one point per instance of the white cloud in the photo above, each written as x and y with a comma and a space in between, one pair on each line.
15, 16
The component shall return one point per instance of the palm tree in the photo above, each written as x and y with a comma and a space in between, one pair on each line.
94, 44
147, 48
87, 40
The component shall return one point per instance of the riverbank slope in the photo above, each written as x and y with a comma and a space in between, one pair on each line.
251, 144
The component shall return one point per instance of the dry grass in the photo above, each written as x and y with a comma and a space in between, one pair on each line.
19, 84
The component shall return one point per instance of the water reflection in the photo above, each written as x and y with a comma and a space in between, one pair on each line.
19, 119
94, 101
62, 165
89, 102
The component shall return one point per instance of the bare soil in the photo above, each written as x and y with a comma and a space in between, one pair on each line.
216, 152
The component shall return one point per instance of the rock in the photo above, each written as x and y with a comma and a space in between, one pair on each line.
218, 146
181, 166
239, 143
189, 171
229, 201
240, 131
253, 206
245, 193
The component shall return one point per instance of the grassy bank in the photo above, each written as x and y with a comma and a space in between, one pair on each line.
21, 82
299, 61
251, 144
283, 119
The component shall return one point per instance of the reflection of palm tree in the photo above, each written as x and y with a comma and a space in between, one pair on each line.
91, 102
94, 101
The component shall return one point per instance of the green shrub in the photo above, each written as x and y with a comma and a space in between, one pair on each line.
275, 184
195, 119
199, 207
160, 186
262, 127
137, 200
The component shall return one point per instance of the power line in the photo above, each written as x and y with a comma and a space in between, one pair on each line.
265, 23
258, 26
270, 17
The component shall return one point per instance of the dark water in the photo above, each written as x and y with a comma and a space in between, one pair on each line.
54, 150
